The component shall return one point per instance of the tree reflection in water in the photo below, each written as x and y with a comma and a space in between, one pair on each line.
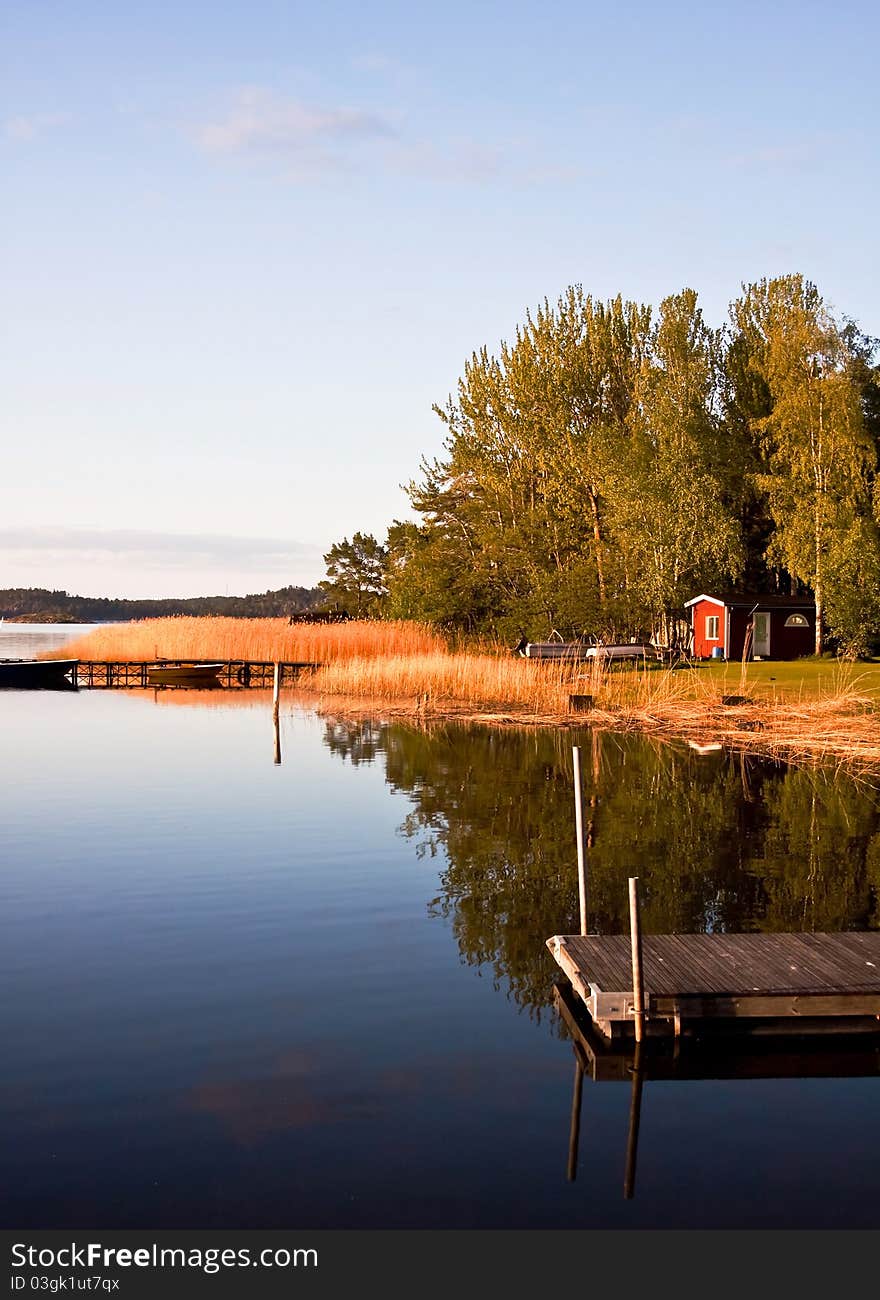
719, 842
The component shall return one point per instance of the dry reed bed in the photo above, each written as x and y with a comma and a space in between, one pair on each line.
406, 669
446, 682
461, 680
256, 639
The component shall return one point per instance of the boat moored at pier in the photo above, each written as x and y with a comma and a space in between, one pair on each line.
37, 674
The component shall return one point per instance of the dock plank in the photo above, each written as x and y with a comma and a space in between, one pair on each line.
742, 965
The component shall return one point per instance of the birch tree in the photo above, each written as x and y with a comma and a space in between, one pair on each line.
819, 455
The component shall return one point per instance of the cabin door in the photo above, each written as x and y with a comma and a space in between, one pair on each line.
761, 636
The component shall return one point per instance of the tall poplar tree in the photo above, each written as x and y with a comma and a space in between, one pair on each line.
673, 502
818, 453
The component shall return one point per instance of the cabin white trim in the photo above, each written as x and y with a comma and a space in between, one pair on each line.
713, 600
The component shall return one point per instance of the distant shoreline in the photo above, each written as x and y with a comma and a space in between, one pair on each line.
49, 620
39, 605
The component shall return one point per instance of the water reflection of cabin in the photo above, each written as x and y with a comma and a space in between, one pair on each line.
783, 627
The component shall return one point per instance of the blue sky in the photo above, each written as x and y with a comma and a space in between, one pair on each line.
246, 247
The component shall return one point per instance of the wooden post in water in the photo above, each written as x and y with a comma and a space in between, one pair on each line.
635, 933
575, 1130
632, 1137
276, 690
579, 832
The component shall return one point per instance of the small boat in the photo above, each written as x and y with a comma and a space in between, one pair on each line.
181, 674
37, 674
554, 650
623, 651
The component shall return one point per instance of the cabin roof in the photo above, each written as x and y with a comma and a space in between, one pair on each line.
752, 601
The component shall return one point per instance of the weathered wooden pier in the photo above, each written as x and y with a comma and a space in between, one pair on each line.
233, 674
672, 983
818, 980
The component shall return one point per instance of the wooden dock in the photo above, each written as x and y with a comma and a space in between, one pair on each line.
820, 981
235, 674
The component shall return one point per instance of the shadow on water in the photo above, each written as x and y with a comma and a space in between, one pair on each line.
726, 842
600, 1061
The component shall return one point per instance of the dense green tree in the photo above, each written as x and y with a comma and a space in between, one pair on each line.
356, 575
588, 481
533, 438
673, 515
819, 455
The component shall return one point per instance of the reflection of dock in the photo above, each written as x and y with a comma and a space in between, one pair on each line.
828, 981
602, 1061
233, 674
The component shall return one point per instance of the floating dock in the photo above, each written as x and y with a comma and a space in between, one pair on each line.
102, 674
812, 982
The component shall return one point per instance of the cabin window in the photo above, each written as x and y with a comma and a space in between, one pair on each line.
797, 620
712, 627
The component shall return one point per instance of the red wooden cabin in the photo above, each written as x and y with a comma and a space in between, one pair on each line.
783, 627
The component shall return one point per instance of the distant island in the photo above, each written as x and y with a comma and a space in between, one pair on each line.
38, 605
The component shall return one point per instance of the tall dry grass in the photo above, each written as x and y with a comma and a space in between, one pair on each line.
454, 681
255, 639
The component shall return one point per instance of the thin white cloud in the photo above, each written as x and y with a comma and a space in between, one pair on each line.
172, 550
305, 141
263, 123
26, 127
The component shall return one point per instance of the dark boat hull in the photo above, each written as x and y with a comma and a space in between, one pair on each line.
37, 674
184, 674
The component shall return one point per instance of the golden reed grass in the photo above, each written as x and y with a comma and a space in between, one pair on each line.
254, 639
459, 680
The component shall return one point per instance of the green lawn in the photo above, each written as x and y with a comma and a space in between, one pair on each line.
807, 678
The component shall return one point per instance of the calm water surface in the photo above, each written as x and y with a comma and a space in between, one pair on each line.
316, 994
27, 640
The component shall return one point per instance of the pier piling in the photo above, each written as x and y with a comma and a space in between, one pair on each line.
579, 832
635, 932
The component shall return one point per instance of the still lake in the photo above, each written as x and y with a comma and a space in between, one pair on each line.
237, 994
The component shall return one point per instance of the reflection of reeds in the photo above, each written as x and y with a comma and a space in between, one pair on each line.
251, 698
835, 728
256, 639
